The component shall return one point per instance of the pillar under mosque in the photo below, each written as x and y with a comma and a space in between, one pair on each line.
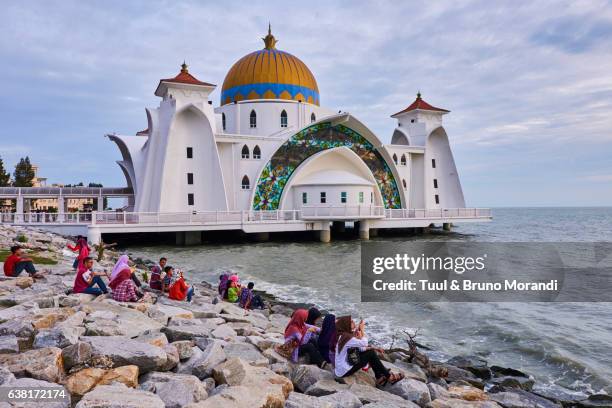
325, 233
364, 229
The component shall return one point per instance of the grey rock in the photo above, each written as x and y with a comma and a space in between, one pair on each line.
224, 331
6, 376
76, 354
172, 357
596, 401
181, 330
212, 356
411, 390
32, 383
522, 399
408, 369
209, 384
473, 364
325, 387
369, 395
437, 391
218, 389
176, 390
304, 376
185, 348
119, 396
342, 399
124, 351
247, 352
58, 337
9, 344
523, 383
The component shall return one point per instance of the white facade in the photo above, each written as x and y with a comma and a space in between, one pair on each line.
194, 157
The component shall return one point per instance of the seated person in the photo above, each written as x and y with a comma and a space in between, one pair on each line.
179, 290
234, 290
248, 300
122, 263
298, 333
86, 280
168, 279
155, 282
224, 280
327, 338
124, 288
16, 263
353, 340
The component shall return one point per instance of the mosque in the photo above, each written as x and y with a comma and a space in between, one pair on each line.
270, 145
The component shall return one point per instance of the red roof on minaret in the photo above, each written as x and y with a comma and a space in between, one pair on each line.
420, 104
184, 77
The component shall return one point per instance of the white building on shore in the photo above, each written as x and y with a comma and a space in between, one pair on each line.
271, 146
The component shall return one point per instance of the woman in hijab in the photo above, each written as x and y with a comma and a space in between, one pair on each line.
124, 263
313, 316
350, 338
295, 332
327, 338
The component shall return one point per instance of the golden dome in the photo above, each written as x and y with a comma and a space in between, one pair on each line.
269, 74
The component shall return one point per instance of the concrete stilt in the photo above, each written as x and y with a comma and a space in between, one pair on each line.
187, 238
446, 226
325, 234
364, 229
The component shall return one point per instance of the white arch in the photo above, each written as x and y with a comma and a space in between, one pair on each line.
400, 138
449, 187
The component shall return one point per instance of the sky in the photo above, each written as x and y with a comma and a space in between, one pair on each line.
528, 84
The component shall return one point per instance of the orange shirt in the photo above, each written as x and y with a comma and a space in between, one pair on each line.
178, 291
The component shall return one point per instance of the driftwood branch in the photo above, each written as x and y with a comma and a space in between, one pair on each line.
415, 356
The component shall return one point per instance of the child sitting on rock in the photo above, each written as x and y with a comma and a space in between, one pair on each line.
248, 300
234, 289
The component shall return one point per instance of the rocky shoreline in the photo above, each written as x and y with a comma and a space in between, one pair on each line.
165, 353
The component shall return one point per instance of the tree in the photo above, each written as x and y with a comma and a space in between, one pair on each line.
5, 177
24, 173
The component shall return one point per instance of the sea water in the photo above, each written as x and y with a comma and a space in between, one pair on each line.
565, 344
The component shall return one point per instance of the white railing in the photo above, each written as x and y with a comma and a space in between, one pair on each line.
242, 217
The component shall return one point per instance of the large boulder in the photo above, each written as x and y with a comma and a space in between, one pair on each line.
411, 390
188, 329
163, 313
474, 364
224, 332
176, 390
127, 375
246, 352
107, 319
522, 399
20, 328
58, 337
124, 351
524, 383
369, 395
408, 369
459, 403
9, 344
304, 376
76, 354
342, 399
43, 364
201, 363
184, 348
119, 396
236, 372
64, 402
83, 381
325, 387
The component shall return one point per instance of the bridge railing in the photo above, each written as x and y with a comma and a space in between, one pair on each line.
242, 217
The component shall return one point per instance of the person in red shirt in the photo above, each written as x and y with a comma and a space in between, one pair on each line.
16, 263
179, 290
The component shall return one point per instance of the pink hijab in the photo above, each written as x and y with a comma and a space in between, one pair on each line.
121, 264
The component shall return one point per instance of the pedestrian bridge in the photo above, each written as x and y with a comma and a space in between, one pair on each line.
315, 218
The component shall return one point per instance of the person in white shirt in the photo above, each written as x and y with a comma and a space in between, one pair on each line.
351, 337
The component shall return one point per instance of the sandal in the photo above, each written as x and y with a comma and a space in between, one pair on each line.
392, 377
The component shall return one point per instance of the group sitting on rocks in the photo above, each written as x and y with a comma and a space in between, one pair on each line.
231, 290
338, 341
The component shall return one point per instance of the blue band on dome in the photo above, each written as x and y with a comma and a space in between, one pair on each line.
275, 88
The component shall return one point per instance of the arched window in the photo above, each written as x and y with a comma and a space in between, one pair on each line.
253, 119
223, 120
246, 184
394, 158
404, 183
245, 152
313, 117
403, 160
284, 118
256, 152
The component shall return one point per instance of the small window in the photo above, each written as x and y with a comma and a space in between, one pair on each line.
190, 199
223, 120
437, 199
283, 118
404, 183
304, 198
245, 152
190, 152
361, 197
433, 163
403, 160
323, 197
435, 183
256, 152
394, 158
343, 197
253, 119
313, 117
246, 184
189, 178
412, 120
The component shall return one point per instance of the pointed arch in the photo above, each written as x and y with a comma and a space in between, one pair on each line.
256, 152
246, 183
283, 119
404, 184
394, 158
313, 117
253, 119
403, 160
245, 152
223, 122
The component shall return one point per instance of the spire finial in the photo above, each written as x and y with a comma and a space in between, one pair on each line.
418, 94
184, 68
269, 39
